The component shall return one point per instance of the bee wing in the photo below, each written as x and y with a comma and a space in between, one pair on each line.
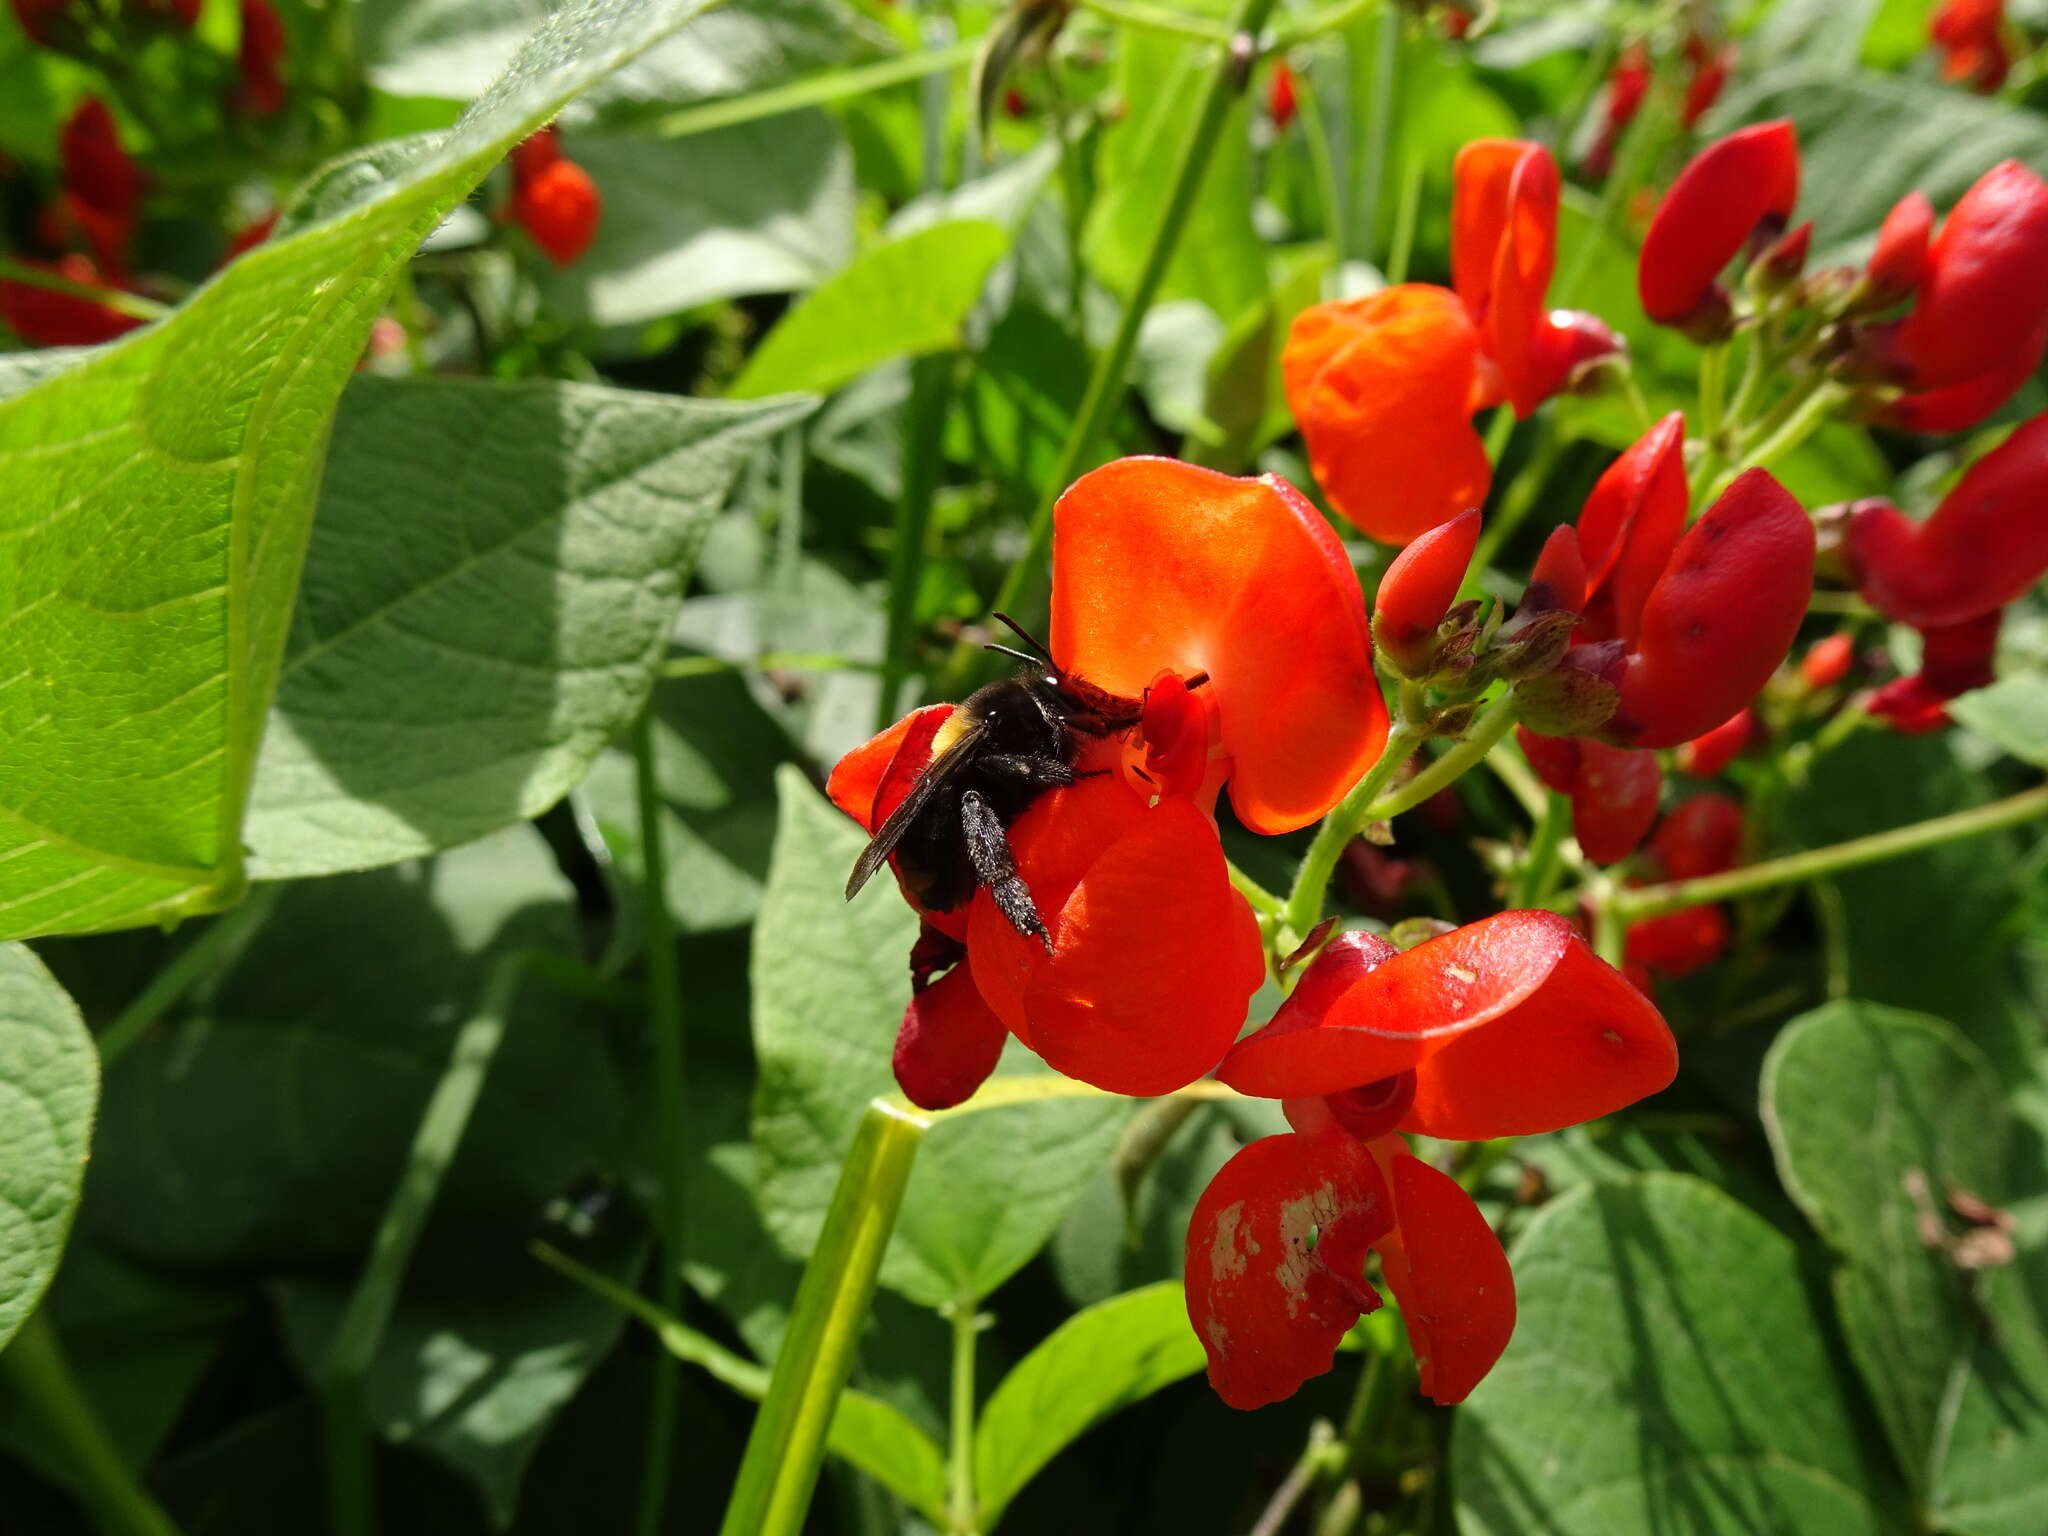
935, 777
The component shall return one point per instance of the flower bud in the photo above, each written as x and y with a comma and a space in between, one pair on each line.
1280, 102
1701, 836
1733, 188
1900, 255
261, 61
1705, 756
1416, 591
1631, 520
553, 198
1827, 661
1614, 799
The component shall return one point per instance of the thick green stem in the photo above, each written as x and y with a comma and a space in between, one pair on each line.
1227, 79
962, 1509
780, 1468
1675, 895
1539, 865
1786, 434
665, 1018
206, 956
362, 1325
1713, 389
1353, 813
924, 437
37, 1377
1494, 722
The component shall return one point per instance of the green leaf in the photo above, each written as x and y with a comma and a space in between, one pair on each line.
160, 494
49, 1083
831, 979
2013, 712
448, 675
1866, 140
1098, 1361
763, 207
901, 299
1668, 1373
1876, 1115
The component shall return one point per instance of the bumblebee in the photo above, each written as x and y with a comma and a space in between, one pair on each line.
1010, 743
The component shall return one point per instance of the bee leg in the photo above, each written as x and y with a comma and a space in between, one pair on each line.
1041, 772
988, 849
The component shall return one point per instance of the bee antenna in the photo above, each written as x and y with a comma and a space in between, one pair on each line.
1026, 657
1026, 636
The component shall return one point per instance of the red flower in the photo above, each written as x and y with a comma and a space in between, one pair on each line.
1710, 67
553, 198
1954, 659
1417, 590
261, 61
1628, 527
48, 318
1706, 755
1900, 255
1737, 192
1164, 576
1613, 790
49, 23
1375, 1041
1970, 35
1384, 386
1678, 943
1979, 319
1985, 544
1701, 836
1626, 88
102, 185
1827, 661
1280, 102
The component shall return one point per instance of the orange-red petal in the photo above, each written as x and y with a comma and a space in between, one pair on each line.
1275, 1271
1582, 1044
1614, 799
857, 777
949, 1043
1632, 519
1154, 953
1383, 388
1447, 1269
1397, 1012
1159, 565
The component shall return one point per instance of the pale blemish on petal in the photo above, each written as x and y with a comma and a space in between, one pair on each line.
1225, 1260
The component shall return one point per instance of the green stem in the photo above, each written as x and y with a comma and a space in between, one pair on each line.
132, 305
1335, 19
1539, 866
35, 1374
1256, 895
1226, 81
1795, 428
780, 1469
1494, 722
1379, 128
208, 955
769, 661
1675, 895
1640, 142
1610, 931
1624, 374
789, 513
836, 85
361, 1330
961, 1506
1333, 836
1753, 375
1713, 389
1516, 502
1404, 219
665, 1015
924, 436
1315, 133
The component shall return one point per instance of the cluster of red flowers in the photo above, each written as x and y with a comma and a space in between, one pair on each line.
1222, 624
553, 198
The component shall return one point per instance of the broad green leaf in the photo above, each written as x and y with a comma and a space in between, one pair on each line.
1100, 1360
1823, 34
831, 979
451, 673
1930, 931
49, 1082
1669, 1372
1866, 140
1876, 1116
160, 494
763, 207
903, 298
2013, 712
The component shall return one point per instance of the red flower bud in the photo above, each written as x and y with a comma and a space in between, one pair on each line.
1721, 618
1614, 799
1984, 292
1954, 659
1710, 74
102, 185
1970, 35
1900, 255
1985, 544
1678, 943
1555, 759
1280, 103
553, 198
1705, 756
1559, 579
1827, 661
1731, 189
1701, 836
949, 1043
1961, 406
1628, 527
1419, 586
